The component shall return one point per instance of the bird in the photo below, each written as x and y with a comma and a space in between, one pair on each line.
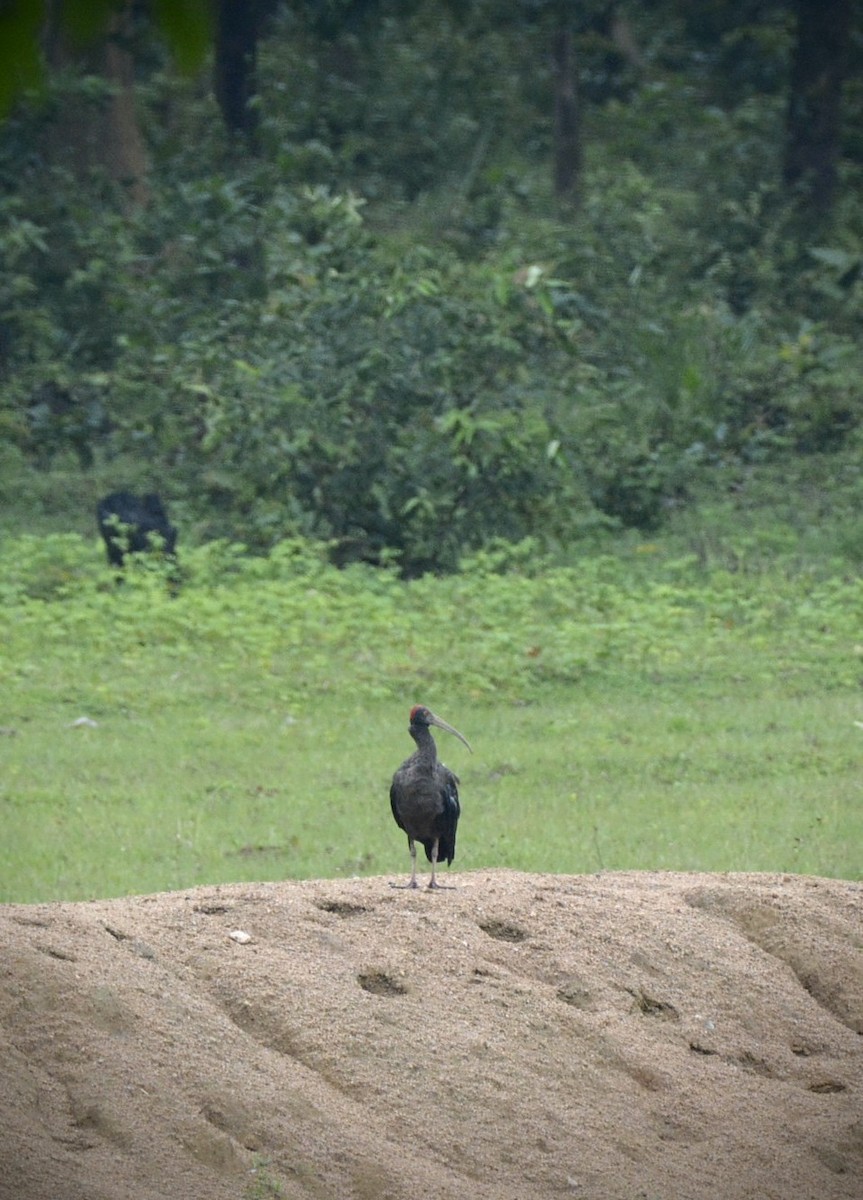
424, 796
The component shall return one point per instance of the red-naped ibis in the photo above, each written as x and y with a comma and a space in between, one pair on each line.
424, 796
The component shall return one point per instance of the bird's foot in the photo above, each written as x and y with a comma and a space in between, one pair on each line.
434, 886
412, 884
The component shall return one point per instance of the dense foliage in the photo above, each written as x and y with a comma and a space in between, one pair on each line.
381, 330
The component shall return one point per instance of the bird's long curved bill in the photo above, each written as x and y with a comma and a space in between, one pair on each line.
433, 720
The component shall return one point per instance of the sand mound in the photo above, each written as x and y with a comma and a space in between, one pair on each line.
519, 1036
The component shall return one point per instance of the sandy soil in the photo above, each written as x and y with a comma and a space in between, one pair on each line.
656, 1036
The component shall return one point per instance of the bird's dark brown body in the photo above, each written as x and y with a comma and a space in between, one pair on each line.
424, 795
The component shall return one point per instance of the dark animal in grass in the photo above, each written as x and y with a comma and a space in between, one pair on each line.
130, 523
424, 796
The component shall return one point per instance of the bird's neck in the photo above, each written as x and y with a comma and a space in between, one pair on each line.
426, 749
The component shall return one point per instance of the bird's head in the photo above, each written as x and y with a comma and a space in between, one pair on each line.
422, 717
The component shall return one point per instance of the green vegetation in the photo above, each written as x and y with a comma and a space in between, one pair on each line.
264, 1186
630, 710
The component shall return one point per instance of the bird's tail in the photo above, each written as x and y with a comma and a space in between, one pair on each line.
445, 849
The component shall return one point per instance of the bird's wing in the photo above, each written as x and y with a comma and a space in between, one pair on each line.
447, 822
394, 802
449, 792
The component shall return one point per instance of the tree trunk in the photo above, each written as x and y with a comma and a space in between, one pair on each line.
111, 137
124, 149
814, 108
620, 32
235, 65
567, 118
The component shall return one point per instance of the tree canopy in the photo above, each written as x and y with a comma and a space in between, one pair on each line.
415, 277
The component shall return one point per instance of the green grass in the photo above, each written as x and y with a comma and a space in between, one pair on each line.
638, 711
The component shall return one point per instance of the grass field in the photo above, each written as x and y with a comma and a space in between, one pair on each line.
637, 711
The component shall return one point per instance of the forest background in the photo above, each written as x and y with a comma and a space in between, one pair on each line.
410, 277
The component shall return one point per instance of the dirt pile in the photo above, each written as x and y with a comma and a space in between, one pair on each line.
599, 1037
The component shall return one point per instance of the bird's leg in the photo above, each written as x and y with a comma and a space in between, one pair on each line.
413, 883
433, 883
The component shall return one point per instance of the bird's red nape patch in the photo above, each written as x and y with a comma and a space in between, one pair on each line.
417, 708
